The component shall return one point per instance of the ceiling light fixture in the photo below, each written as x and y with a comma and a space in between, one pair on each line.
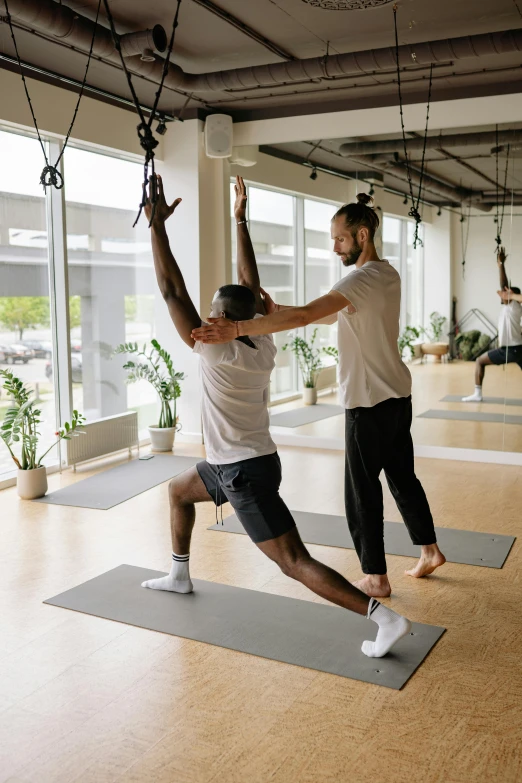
439, 212
161, 127
313, 175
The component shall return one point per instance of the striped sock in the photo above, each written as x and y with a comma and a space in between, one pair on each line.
392, 627
178, 581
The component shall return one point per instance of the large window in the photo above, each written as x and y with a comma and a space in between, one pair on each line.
25, 320
111, 281
291, 239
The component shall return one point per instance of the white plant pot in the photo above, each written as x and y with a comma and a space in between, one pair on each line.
32, 484
310, 396
162, 438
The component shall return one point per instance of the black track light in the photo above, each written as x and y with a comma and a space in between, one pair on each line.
439, 212
161, 127
405, 200
371, 191
313, 175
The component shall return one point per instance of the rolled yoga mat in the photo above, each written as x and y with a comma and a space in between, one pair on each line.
302, 633
500, 418
487, 400
459, 546
305, 415
114, 486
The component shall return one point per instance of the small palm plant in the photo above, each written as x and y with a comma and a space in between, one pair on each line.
20, 425
309, 357
156, 368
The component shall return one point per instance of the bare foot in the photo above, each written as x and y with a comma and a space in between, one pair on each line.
374, 585
430, 559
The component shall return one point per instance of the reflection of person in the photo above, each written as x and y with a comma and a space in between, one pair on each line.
242, 464
509, 336
376, 389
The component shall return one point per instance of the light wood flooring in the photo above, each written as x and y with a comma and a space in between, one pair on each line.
432, 382
86, 700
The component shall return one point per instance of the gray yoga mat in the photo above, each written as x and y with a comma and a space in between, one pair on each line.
488, 400
500, 418
305, 415
114, 486
459, 546
303, 633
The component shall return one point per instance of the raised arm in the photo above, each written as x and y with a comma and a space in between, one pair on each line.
223, 331
170, 280
247, 271
501, 262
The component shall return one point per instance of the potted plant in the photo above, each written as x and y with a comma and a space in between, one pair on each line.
407, 338
20, 426
309, 358
434, 333
156, 368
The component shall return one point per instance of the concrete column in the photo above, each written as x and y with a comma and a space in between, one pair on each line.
199, 234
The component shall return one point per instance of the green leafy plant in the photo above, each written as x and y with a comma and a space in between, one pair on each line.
20, 424
406, 339
471, 344
436, 328
309, 357
156, 368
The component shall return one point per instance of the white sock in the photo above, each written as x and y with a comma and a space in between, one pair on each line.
475, 397
392, 627
178, 581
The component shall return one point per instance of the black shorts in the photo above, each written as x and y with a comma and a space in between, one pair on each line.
506, 355
252, 488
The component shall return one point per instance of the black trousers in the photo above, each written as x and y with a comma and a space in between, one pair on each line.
377, 439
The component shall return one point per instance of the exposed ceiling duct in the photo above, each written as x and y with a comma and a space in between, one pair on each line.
67, 25
346, 5
480, 138
431, 184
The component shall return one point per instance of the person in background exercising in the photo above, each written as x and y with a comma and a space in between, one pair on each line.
509, 335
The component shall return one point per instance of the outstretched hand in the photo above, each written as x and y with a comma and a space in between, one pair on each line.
501, 256
241, 199
218, 330
163, 210
270, 305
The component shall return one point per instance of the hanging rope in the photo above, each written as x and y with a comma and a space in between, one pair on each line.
464, 242
50, 175
499, 220
147, 139
415, 202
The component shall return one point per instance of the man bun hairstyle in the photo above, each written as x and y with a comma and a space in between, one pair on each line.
360, 215
239, 302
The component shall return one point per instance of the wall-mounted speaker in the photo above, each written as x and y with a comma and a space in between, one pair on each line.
218, 136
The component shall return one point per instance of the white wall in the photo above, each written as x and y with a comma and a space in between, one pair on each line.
478, 287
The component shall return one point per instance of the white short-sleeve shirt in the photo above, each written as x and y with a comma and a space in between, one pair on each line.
509, 324
370, 367
236, 381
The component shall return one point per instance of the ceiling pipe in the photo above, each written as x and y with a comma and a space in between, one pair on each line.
65, 23
434, 186
479, 138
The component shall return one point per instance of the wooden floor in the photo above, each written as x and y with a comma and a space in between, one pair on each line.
432, 382
86, 700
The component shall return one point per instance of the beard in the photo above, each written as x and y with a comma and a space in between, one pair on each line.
351, 258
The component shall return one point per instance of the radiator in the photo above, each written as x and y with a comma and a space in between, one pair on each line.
327, 378
103, 436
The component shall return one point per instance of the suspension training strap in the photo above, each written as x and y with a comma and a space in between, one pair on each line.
415, 202
50, 174
147, 139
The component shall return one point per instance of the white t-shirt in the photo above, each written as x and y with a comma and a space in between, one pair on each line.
370, 367
509, 324
236, 380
